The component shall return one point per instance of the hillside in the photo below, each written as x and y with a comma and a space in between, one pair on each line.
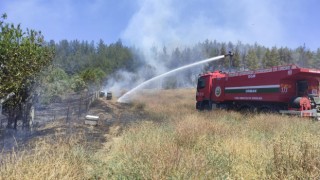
161, 135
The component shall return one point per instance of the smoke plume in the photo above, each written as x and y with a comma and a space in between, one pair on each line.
171, 24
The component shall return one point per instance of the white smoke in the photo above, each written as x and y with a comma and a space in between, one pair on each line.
121, 81
114, 85
171, 23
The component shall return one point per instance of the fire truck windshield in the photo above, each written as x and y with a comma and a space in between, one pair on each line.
201, 83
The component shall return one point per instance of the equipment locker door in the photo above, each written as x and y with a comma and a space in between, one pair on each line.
302, 88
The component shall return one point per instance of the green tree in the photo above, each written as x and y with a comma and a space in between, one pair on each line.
285, 56
317, 59
258, 50
223, 51
243, 61
300, 51
176, 58
119, 56
252, 60
271, 58
309, 59
77, 84
211, 50
236, 58
266, 59
274, 57
93, 77
55, 84
23, 54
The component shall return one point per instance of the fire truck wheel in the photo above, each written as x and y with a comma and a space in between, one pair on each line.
209, 105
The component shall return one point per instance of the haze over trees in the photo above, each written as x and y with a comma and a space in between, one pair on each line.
84, 65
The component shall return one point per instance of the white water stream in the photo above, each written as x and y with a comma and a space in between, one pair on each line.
125, 98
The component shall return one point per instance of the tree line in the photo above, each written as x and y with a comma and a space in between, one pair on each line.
82, 65
246, 56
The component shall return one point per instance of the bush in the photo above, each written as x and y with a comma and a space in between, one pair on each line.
77, 83
93, 77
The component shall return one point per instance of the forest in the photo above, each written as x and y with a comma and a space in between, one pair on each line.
83, 65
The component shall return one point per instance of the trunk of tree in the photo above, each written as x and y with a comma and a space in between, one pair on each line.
12, 119
26, 116
14, 114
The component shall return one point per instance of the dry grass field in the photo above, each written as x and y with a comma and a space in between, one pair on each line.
175, 141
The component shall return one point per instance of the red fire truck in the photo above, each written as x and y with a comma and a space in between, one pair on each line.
286, 89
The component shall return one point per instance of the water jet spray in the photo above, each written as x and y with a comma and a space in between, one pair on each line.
125, 98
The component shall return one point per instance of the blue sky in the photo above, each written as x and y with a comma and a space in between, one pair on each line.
145, 23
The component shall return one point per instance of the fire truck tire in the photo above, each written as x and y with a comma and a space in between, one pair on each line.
207, 106
204, 105
199, 106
